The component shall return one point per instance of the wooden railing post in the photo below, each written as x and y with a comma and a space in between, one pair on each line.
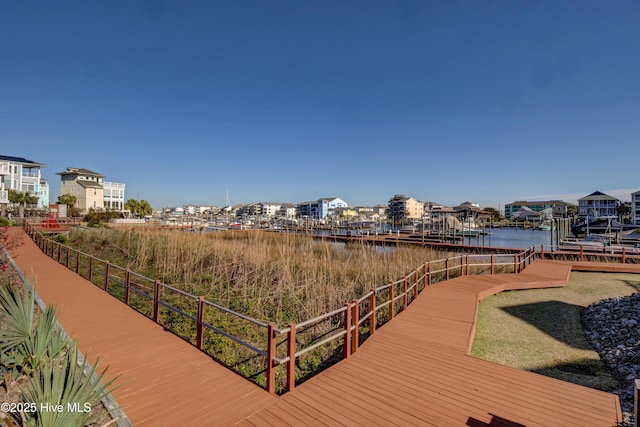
77, 262
446, 267
346, 351
373, 318
156, 300
66, 261
291, 352
106, 276
424, 275
467, 263
542, 252
59, 245
429, 274
405, 299
624, 260
515, 263
581, 253
392, 308
493, 264
199, 322
271, 354
90, 272
355, 320
127, 285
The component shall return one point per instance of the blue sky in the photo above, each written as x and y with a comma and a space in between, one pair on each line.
295, 100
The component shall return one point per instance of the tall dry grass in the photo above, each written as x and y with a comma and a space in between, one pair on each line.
270, 276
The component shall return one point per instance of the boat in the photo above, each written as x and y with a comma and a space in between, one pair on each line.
592, 240
598, 225
468, 227
545, 225
598, 243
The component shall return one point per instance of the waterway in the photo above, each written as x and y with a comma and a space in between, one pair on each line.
511, 238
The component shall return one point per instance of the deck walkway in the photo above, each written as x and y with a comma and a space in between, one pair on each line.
164, 381
413, 371
416, 371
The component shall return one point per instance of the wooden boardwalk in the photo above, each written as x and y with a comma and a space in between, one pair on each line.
164, 381
416, 371
413, 371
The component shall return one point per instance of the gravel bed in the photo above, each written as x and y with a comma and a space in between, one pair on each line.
612, 328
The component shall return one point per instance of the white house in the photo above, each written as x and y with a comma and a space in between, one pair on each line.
270, 209
20, 174
113, 195
598, 204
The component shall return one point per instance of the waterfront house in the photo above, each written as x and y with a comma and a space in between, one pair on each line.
20, 174
287, 210
270, 209
525, 213
558, 207
598, 204
320, 208
113, 195
90, 190
403, 207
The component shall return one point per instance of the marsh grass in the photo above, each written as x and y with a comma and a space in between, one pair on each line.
271, 277
539, 330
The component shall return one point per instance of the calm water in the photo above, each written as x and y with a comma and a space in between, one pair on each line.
512, 238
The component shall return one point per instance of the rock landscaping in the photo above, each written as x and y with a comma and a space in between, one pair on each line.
611, 326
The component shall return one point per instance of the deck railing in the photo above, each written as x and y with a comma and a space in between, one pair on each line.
612, 254
280, 348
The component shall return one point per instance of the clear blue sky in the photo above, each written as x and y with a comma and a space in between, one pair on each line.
295, 100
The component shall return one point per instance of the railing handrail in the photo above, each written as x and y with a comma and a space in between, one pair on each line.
425, 274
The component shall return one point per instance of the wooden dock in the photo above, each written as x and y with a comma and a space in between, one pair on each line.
415, 370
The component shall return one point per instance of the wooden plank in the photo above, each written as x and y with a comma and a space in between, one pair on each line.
153, 388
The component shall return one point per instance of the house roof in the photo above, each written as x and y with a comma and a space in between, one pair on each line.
89, 184
80, 171
597, 195
537, 202
26, 162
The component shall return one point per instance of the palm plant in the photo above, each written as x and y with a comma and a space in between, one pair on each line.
45, 353
63, 384
22, 199
24, 347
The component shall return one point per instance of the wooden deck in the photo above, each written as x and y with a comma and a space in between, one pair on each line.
416, 371
164, 380
413, 371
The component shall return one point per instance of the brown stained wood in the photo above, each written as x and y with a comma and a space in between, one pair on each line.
379, 408
415, 370
159, 370
299, 412
474, 394
291, 404
422, 357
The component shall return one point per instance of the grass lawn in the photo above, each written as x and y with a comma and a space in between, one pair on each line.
539, 330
